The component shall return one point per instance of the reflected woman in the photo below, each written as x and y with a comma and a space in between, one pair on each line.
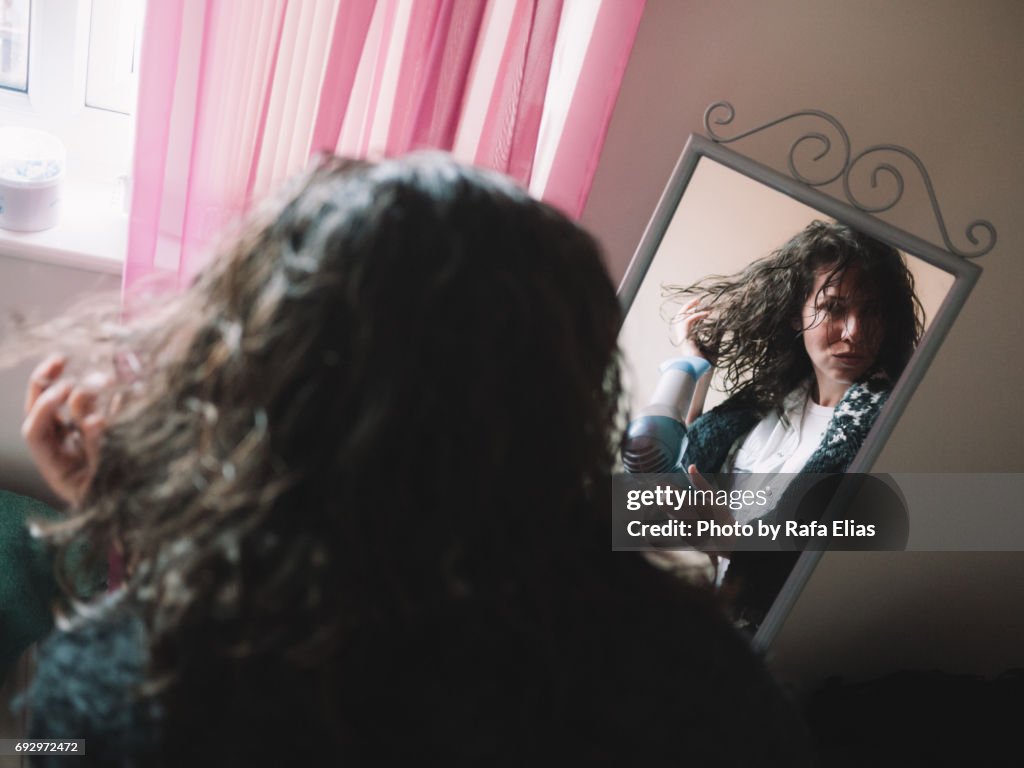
809, 341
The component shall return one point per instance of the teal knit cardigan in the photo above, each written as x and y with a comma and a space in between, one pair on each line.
27, 585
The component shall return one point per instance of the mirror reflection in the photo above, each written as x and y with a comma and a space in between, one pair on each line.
807, 324
724, 222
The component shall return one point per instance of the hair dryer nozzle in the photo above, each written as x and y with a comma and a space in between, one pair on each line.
656, 440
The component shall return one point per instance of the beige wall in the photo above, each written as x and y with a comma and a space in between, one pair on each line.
944, 78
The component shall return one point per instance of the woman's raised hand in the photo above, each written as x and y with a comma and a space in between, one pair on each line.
63, 427
685, 326
720, 514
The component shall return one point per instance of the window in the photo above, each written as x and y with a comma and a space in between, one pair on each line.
14, 44
69, 67
114, 36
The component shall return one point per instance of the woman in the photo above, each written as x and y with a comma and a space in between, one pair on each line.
828, 321
357, 478
809, 341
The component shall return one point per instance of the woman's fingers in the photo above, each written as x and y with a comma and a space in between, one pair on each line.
42, 377
687, 310
81, 404
92, 428
43, 421
698, 479
721, 513
693, 319
85, 396
686, 322
55, 447
62, 427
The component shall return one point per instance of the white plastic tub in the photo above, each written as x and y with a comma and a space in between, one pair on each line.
31, 179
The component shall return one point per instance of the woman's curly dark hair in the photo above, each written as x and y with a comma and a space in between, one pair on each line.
750, 334
399, 389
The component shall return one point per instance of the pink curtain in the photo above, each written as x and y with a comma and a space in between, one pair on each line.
235, 95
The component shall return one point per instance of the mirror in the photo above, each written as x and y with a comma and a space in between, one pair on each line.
720, 212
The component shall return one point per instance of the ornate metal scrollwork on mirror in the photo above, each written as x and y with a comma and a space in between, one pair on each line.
846, 169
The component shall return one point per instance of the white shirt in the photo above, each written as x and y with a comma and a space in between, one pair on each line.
778, 445
782, 443
775, 449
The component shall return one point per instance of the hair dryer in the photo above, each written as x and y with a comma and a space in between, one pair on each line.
656, 439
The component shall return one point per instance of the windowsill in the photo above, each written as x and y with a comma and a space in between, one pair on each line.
92, 233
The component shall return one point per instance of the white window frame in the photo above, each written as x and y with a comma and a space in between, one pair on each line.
110, 80
98, 141
93, 226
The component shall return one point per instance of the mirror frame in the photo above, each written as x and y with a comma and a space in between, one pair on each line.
965, 276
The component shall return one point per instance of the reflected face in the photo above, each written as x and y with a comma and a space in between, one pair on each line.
842, 331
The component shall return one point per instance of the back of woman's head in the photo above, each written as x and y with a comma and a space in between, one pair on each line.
753, 333
398, 388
